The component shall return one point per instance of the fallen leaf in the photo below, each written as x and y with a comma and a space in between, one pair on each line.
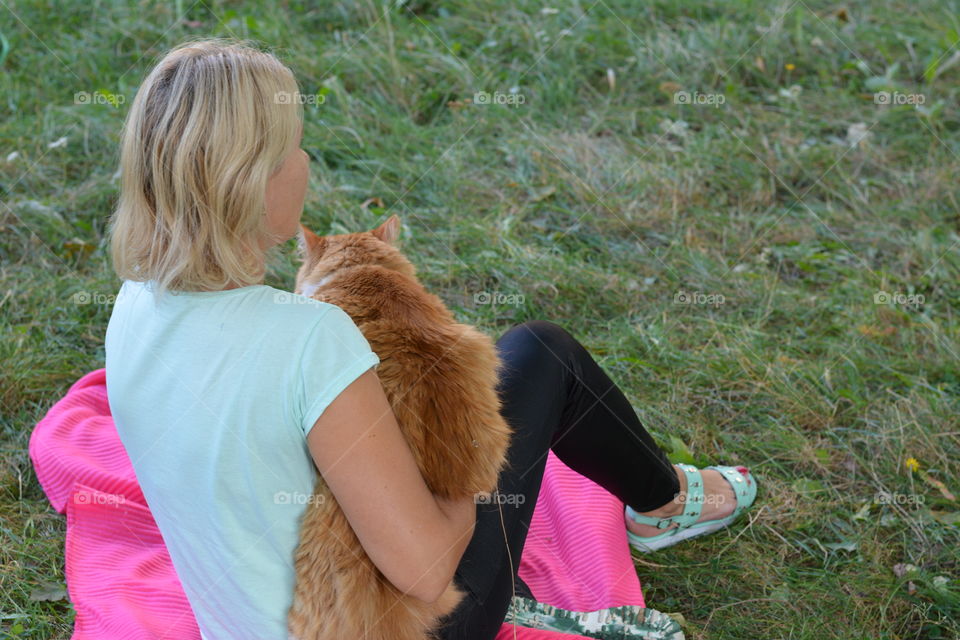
678, 617
78, 248
857, 134
933, 482
49, 591
874, 332
844, 546
669, 88
806, 485
951, 518
543, 194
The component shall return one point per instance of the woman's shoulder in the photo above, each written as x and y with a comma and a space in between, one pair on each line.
308, 315
296, 306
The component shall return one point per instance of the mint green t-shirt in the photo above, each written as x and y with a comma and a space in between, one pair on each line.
213, 394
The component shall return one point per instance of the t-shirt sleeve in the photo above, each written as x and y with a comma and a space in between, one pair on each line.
335, 354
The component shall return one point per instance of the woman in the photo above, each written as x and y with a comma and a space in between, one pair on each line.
227, 419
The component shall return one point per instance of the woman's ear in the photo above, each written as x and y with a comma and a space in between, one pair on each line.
389, 231
309, 243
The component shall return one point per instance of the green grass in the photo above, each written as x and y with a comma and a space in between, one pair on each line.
597, 200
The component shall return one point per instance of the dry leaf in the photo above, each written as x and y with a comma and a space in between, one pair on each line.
669, 88
876, 332
933, 482
78, 248
543, 194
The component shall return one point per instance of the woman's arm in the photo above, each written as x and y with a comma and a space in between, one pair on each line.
414, 538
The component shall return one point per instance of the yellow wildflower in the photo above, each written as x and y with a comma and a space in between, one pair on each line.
790, 66
912, 464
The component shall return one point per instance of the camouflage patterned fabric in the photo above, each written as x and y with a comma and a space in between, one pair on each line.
617, 623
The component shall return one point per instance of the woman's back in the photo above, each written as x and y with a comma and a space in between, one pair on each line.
209, 392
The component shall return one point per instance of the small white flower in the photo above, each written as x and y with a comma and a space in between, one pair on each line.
13, 155
62, 142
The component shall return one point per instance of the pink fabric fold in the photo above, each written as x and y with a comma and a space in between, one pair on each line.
122, 583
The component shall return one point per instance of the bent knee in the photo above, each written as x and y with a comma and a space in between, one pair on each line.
540, 335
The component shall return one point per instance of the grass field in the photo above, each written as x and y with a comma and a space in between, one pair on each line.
747, 210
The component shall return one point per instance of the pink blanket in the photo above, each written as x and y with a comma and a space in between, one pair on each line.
122, 584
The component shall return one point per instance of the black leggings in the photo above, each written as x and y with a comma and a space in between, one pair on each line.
555, 397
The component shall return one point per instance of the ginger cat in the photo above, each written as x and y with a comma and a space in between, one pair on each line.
440, 378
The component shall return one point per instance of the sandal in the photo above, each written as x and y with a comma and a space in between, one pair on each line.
744, 489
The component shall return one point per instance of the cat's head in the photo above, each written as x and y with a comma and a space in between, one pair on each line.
324, 256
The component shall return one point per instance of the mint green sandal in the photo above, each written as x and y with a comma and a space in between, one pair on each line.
744, 488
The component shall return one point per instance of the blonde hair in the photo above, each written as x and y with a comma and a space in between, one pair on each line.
210, 124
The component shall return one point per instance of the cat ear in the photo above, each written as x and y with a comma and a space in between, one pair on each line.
389, 231
309, 243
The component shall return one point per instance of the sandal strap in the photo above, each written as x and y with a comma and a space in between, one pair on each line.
744, 489
692, 504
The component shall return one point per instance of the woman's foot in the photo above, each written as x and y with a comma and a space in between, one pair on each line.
719, 502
